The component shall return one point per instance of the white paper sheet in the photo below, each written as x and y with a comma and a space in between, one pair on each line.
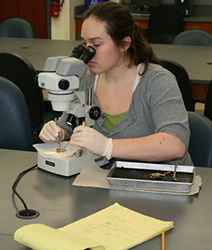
49, 150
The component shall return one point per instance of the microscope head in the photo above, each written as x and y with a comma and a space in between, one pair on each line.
61, 76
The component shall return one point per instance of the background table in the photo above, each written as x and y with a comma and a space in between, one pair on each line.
37, 50
60, 203
197, 60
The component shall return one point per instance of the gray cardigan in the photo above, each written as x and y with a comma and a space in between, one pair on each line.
157, 106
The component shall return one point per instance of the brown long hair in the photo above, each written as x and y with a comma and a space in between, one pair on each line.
120, 24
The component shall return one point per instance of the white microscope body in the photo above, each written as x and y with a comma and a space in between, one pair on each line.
61, 79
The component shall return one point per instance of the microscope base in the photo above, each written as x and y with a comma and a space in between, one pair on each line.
67, 167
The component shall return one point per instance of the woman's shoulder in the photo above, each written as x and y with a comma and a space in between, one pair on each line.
157, 73
157, 69
156, 79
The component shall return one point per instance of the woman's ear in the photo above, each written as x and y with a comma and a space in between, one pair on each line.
126, 43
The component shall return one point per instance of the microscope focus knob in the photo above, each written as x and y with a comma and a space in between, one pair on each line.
94, 112
63, 84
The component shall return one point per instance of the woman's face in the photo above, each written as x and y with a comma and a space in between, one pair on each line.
108, 55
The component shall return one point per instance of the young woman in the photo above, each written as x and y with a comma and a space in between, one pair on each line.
142, 112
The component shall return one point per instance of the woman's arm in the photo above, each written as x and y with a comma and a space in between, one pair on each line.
157, 147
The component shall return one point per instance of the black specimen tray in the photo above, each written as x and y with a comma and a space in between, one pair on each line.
137, 176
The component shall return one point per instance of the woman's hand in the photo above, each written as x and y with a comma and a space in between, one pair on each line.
92, 140
50, 132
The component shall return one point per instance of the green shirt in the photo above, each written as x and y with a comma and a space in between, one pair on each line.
112, 120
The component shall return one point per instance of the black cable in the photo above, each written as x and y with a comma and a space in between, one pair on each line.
15, 184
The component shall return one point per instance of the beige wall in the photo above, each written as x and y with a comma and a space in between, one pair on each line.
63, 27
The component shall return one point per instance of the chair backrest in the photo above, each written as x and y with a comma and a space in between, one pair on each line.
194, 37
16, 27
200, 146
182, 80
165, 22
15, 126
18, 70
208, 103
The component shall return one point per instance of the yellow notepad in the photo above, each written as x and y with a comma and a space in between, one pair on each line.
113, 228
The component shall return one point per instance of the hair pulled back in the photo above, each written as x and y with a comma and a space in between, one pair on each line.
120, 24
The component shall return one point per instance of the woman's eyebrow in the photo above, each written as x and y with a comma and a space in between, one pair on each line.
92, 39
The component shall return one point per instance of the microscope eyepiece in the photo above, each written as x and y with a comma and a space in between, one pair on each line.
77, 51
82, 53
87, 54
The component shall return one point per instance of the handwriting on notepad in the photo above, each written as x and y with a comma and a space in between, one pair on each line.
117, 228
